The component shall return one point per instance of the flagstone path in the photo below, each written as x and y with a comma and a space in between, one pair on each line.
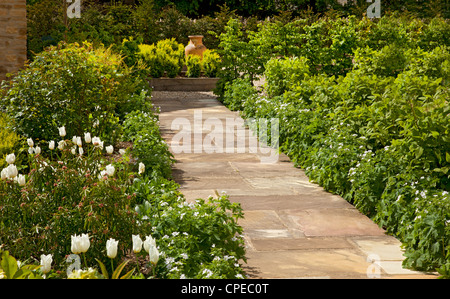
292, 227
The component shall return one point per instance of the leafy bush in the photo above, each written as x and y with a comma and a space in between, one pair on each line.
79, 191
166, 56
73, 85
210, 63
142, 129
282, 74
194, 66
9, 141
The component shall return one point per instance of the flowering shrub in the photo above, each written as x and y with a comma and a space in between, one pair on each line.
79, 190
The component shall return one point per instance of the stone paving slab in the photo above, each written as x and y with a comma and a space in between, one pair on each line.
292, 227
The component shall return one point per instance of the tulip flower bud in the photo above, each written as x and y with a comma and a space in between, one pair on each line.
21, 180
84, 242
62, 131
110, 170
111, 248
51, 145
137, 243
109, 149
153, 254
46, 263
141, 168
37, 150
87, 137
30, 142
11, 158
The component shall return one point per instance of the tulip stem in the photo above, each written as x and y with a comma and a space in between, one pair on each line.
112, 266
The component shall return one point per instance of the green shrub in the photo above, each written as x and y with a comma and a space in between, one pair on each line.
282, 74
210, 63
78, 192
194, 66
9, 141
73, 85
142, 129
166, 56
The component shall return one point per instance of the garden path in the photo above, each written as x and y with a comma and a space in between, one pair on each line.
292, 227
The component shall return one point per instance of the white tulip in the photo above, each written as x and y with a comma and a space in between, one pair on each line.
30, 142
31, 150
110, 170
46, 263
51, 145
61, 144
37, 150
141, 168
4, 174
74, 150
80, 151
153, 254
137, 243
21, 180
11, 158
111, 248
74, 139
11, 171
149, 241
84, 242
109, 149
62, 131
75, 245
87, 137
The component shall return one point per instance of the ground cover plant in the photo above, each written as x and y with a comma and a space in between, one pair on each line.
88, 192
363, 108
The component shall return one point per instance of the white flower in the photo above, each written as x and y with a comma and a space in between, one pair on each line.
153, 254
137, 243
111, 248
62, 131
31, 150
4, 174
149, 241
46, 263
61, 144
21, 180
109, 149
11, 171
87, 137
122, 151
141, 168
74, 150
80, 243
30, 142
110, 170
75, 245
37, 150
51, 145
97, 142
79, 143
80, 151
11, 158
84, 242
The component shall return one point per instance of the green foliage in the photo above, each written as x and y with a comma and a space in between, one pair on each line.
194, 66
282, 74
210, 63
73, 85
10, 268
70, 194
9, 141
142, 129
378, 136
166, 56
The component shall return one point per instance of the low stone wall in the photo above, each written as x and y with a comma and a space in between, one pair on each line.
13, 36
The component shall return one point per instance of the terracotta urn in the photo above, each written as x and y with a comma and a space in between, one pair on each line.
195, 46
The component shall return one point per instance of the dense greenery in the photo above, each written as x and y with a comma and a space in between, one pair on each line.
363, 108
75, 178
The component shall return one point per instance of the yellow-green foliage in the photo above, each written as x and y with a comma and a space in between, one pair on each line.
165, 56
8, 139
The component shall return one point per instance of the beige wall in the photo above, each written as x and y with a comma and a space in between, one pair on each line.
13, 36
